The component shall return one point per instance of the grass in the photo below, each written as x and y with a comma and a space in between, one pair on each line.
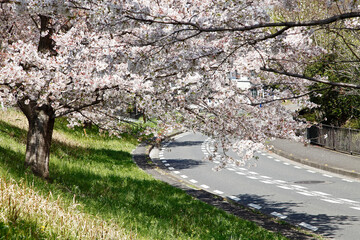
97, 192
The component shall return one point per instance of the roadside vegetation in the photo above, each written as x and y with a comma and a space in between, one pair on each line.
95, 191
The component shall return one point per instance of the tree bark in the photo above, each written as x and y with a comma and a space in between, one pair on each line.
41, 124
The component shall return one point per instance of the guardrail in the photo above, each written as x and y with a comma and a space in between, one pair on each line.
336, 138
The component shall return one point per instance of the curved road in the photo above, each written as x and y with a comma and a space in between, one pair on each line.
323, 202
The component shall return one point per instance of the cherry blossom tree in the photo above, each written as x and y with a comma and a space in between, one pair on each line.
88, 60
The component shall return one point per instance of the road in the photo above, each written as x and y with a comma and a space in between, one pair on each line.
323, 202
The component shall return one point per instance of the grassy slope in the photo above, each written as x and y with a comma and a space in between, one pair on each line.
96, 189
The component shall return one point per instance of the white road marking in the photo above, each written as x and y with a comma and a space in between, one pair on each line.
252, 177
183, 176
297, 167
306, 194
266, 177
193, 181
244, 169
234, 198
267, 182
284, 187
310, 171
321, 193
348, 200
164, 161
279, 215
356, 208
329, 200
218, 192
270, 157
230, 169
176, 172
279, 181
241, 173
297, 186
325, 175
308, 226
254, 173
347, 180
167, 164
285, 163
277, 160
204, 186
171, 168
253, 205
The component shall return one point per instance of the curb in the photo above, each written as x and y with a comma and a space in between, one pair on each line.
316, 165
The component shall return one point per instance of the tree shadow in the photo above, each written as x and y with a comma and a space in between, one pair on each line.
327, 225
178, 164
185, 143
108, 184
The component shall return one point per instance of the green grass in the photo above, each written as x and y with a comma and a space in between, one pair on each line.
95, 179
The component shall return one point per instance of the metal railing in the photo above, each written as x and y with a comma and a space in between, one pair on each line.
340, 139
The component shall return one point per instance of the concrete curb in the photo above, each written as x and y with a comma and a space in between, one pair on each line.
316, 165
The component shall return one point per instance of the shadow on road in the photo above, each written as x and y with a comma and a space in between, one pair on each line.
327, 225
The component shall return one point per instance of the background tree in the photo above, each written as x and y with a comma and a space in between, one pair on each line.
88, 60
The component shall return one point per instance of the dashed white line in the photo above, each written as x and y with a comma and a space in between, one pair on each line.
167, 164
234, 198
279, 215
193, 181
308, 226
310, 171
348, 200
204, 186
284, 187
325, 175
171, 168
297, 167
270, 157
252, 177
241, 173
254, 173
266, 177
164, 161
297, 186
306, 194
267, 182
347, 180
230, 169
277, 160
329, 200
253, 205
218, 192
285, 163
321, 193
356, 208
183, 176
176, 172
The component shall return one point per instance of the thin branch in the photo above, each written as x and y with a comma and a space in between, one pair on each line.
295, 75
319, 22
290, 98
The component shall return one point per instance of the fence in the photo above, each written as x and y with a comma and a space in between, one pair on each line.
340, 139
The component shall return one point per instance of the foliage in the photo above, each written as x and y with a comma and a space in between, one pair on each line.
93, 60
335, 106
96, 189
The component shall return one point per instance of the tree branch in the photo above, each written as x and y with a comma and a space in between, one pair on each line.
295, 75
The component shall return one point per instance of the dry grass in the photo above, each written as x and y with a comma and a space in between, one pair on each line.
19, 203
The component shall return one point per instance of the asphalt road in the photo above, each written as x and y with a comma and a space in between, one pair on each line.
323, 202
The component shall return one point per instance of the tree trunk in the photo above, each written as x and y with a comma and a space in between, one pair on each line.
41, 124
